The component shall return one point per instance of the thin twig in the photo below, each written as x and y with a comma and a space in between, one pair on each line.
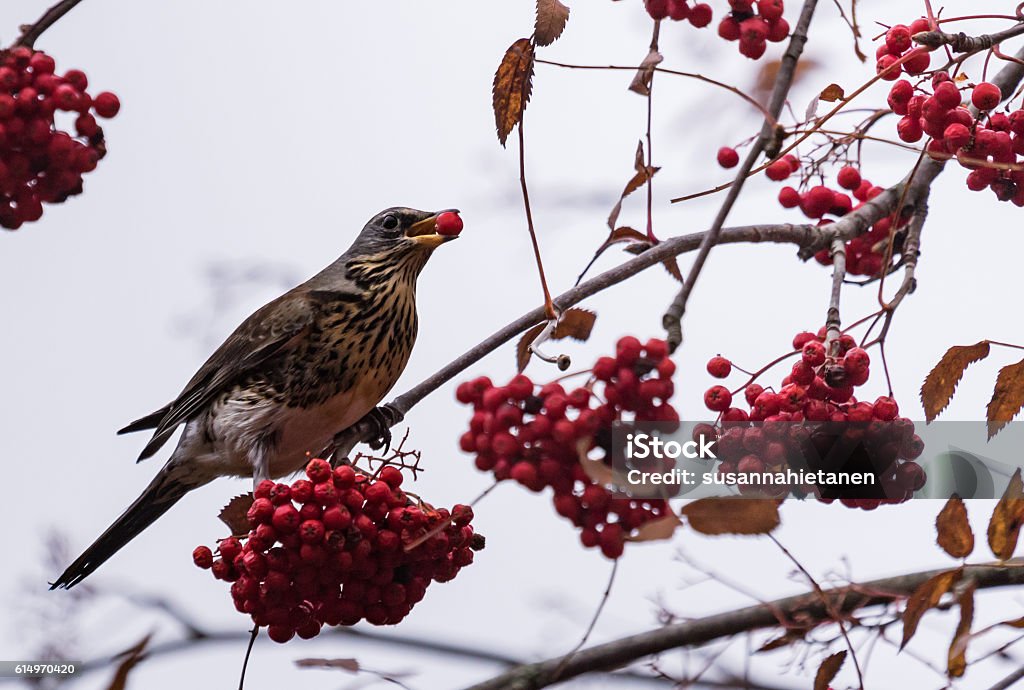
248, 652
593, 621
31, 32
672, 320
549, 310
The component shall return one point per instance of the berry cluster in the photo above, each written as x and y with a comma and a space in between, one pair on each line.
988, 145
40, 163
861, 436
698, 14
898, 47
754, 24
865, 255
536, 436
337, 548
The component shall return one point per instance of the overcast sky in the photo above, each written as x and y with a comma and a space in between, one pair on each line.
254, 141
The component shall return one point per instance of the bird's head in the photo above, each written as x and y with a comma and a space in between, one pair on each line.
396, 238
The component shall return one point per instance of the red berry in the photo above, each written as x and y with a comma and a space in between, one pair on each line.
718, 398
719, 367
770, 10
789, 197
727, 157
106, 104
202, 556
449, 224
897, 39
778, 170
657, 9
700, 15
849, 178
986, 96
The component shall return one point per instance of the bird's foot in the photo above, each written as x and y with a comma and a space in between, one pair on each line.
381, 419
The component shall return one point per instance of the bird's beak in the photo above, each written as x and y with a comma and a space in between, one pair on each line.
423, 232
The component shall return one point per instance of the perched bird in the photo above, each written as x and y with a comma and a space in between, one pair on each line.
300, 369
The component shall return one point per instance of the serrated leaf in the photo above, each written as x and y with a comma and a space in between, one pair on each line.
641, 83
523, 347
642, 174
1007, 517
940, 384
954, 530
662, 528
234, 514
575, 323
828, 670
513, 83
925, 597
1007, 398
718, 515
551, 19
957, 657
832, 93
351, 665
131, 658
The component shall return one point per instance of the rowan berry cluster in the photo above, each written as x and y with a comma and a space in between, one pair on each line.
897, 52
338, 548
39, 162
989, 144
753, 24
699, 14
865, 254
535, 436
861, 436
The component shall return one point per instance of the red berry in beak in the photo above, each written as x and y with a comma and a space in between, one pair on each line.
449, 224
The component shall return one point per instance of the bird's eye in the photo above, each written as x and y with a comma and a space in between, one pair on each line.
390, 222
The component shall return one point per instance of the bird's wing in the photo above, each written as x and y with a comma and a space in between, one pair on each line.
270, 330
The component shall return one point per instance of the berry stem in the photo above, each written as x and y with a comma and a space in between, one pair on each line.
549, 307
650, 145
31, 32
248, 653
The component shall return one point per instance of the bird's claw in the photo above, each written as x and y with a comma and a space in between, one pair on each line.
381, 420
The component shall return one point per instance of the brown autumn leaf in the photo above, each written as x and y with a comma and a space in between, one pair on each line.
1007, 517
662, 528
626, 234
672, 266
641, 83
828, 670
351, 665
784, 640
955, 535
765, 80
832, 93
957, 657
513, 83
925, 597
642, 174
717, 515
551, 19
575, 323
234, 514
131, 657
1007, 398
523, 347
940, 384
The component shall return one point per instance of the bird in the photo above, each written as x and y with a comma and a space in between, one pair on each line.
303, 367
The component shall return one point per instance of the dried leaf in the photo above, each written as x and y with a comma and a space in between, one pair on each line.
784, 640
828, 670
672, 266
234, 514
662, 528
1007, 517
926, 597
957, 658
513, 83
551, 19
132, 656
832, 93
626, 234
523, 348
940, 384
642, 174
955, 535
351, 665
1007, 398
575, 323
641, 83
732, 515
765, 81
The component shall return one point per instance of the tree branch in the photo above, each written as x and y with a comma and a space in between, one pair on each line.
672, 321
31, 32
810, 609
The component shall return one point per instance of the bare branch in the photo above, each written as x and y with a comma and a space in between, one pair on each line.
811, 607
962, 43
31, 32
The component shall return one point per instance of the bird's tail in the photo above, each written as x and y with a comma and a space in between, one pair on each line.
163, 492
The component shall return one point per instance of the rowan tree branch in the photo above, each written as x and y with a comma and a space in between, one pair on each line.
809, 609
672, 321
31, 32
